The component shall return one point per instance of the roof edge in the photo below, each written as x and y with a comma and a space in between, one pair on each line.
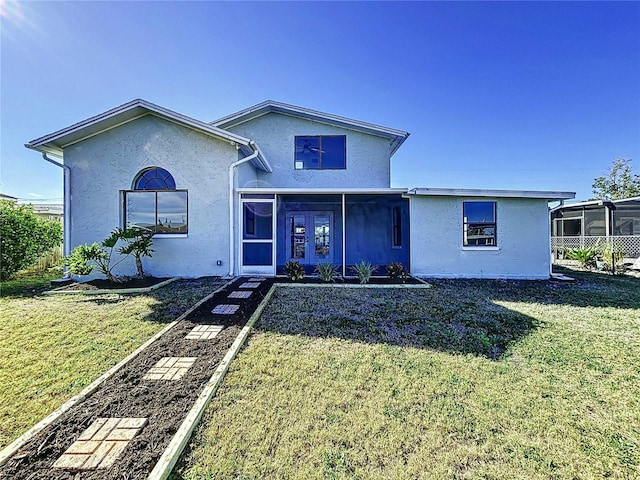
268, 106
477, 192
40, 143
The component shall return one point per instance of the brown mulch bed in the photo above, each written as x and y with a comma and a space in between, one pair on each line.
126, 394
103, 284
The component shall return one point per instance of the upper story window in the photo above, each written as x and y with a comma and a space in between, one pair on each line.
155, 203
479, 224
324, 152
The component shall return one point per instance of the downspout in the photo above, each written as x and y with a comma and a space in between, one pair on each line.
66, 226
232, 169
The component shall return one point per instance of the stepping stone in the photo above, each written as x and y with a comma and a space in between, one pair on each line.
257, 279
204, 332
240, 294
250, 285
101, 444
170, 368
225, 309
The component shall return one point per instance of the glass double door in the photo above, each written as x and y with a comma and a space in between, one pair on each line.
310, 237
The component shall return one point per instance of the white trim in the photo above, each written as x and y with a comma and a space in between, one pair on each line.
257, 269
480, 249
124, 114
344, 235
335, 191
472, 192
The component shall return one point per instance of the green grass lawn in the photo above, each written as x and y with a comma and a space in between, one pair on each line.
467, 380
53, 346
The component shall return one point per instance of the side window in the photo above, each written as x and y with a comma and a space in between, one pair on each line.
397, 227
326, 152
155, 203
479, 224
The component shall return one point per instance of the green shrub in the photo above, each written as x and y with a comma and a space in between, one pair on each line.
612, 254
24, 237
585, 255
364, 270
78, 261
327, 272
294, 270
396, 271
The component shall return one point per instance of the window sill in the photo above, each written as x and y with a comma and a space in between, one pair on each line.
480, 249
158, 236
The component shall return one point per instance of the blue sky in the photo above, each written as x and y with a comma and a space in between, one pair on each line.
496, 95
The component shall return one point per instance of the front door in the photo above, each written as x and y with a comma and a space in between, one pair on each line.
257, 245
310, 237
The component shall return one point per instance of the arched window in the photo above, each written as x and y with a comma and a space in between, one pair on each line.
155, 203
154, 178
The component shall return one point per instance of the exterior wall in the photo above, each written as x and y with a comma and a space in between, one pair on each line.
522, 240
104, 165
368, 163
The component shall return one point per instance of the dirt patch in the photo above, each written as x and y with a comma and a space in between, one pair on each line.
165, 403
103, 284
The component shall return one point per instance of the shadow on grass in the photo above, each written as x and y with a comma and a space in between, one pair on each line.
456, 316
445, 318
170, 301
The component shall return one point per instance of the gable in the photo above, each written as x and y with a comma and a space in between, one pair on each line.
234, 120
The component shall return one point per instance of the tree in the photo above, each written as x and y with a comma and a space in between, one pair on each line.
137, 242
619, 182
24, 237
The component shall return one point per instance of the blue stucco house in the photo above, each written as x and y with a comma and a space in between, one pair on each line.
274, 182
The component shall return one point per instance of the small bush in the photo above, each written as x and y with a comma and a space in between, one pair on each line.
612, 254
294, 270
586, 255
396, 271
327, 272
364, 270
78, 261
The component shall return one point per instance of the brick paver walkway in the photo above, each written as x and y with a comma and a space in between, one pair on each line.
204, 332
100, 445
170, 368
225, 309
240, 294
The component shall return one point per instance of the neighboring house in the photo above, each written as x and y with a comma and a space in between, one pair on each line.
49, 211
585, 223
8, 198
248, 192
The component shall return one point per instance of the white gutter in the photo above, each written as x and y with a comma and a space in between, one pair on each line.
232, 169
67, 204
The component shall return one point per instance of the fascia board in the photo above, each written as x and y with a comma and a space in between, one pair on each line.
314, 115
468, 192
290, 191
121, 115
